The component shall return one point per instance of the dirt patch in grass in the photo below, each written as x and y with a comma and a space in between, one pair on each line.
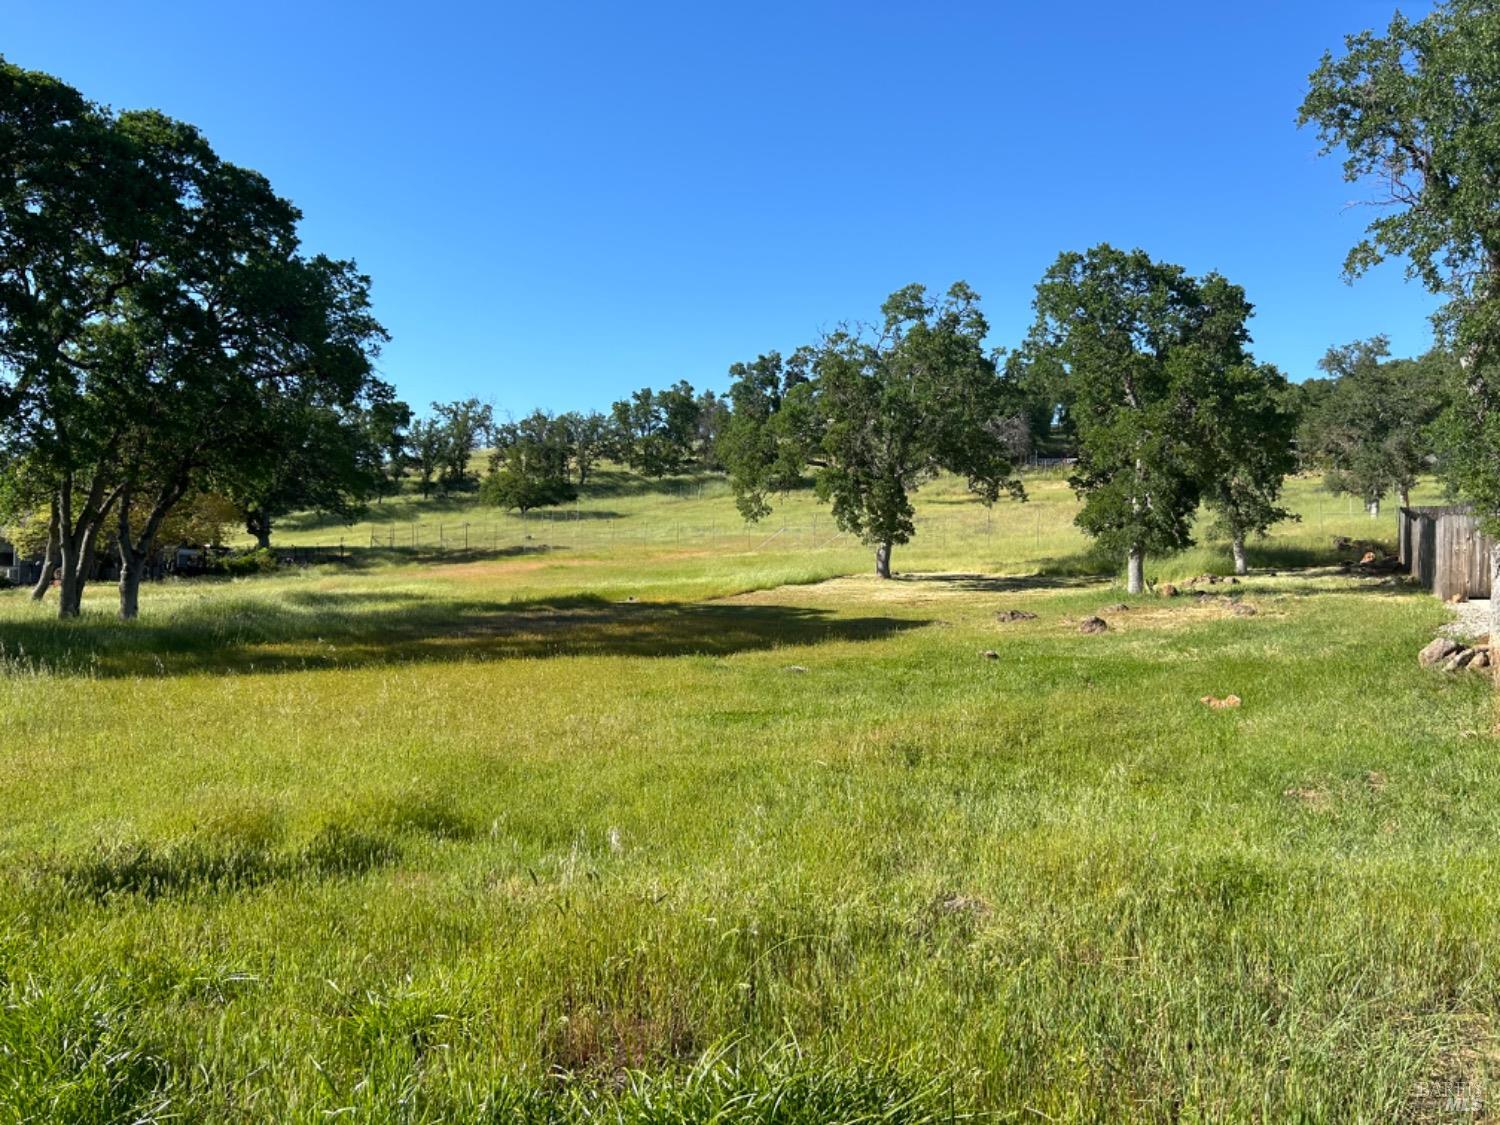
1314, 798
604, 1043
929, 589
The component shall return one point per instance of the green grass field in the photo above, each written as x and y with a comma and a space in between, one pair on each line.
653, 818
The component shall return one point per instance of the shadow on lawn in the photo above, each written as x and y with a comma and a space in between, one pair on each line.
1001, 584
342, 630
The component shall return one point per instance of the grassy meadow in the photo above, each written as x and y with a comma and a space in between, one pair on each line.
652, 817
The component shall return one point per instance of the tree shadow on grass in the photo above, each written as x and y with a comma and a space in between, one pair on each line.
1001, 584
311, 630
430, 554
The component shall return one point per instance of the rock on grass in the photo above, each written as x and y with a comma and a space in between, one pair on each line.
1439, 650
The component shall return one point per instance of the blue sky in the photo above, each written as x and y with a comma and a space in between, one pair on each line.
561, 202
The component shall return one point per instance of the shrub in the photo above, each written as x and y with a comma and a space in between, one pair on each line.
259, 561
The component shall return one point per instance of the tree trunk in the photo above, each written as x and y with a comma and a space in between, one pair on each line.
1136, 571
76, 565
135, 551
883, 561
79, 517
69, 591
49, 561
1241, 560
77, 568
131, 572
258, 524
1405, 496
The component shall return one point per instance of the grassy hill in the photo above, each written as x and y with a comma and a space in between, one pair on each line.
657, 819
621, 515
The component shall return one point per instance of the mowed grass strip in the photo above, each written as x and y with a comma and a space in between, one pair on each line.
492, 841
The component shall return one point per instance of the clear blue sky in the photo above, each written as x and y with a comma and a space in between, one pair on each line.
561, 202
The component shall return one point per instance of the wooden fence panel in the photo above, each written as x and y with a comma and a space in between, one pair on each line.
1424, 549
1452, 558
1444, 549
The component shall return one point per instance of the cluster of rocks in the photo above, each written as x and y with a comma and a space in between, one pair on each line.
1212, 580
1168, 590
1095, 623
1453, 656
1232, 604
1091, 624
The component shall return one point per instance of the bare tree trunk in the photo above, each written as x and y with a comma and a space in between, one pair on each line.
69, 591
1405, 496
136, 551
131, 571
77, 568
49, 560
1241, 560
883, 561
73, 573
258, 524
75, 541
1136, 571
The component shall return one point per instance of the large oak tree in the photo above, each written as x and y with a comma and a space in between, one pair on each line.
1135, 344
877, 412
1416, 113
156, 315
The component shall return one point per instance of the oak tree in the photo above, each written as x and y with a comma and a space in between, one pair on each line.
1414, 112
883, 409
1134, 342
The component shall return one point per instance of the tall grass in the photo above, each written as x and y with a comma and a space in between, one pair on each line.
483, 838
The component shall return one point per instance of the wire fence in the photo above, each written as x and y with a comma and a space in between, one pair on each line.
977, 527
1036, 528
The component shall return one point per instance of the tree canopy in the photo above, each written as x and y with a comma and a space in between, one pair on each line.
1144, 353
1416, 114
156, 318
874, 413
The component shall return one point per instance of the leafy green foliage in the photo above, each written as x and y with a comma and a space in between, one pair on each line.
658, 431
161, 331
529, 468
767, 441
1416, 112
590, 437
1246, 429
876, 413
1372, 427
1146, 355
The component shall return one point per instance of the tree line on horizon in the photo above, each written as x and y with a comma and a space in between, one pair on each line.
168, 348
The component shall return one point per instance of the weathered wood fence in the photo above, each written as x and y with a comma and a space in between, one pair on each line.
1444, 549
